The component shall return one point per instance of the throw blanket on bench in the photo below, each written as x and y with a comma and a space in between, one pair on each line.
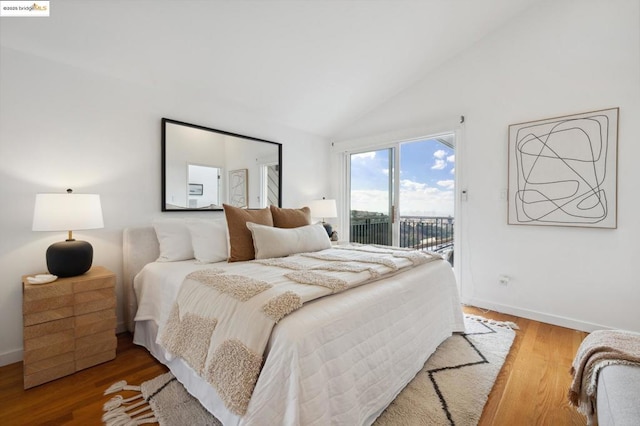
597, 350
220, 323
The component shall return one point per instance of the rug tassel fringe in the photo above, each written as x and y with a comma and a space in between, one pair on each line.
123, 419
119, 416
120, 411
130, 407
509, 324
512, 325
117, 401
121, 385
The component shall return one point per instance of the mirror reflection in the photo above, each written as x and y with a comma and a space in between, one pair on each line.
202, 168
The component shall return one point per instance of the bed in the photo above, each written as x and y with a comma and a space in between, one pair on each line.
340, 359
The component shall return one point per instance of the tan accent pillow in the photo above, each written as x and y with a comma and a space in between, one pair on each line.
240, 239
290, 218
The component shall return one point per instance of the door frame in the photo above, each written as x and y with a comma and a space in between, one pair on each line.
394, 140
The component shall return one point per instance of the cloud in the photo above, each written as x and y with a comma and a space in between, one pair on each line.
372, 200
439, 165
440, 162
447, 184
409, 185
416, 199
453, 171
364, 156
428, 202
440, 153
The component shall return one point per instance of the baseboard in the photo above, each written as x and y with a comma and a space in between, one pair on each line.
537, 316
11, 357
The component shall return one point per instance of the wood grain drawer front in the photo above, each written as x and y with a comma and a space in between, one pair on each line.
95, 343
43, 305
47, 328
37, 292
31, 380
108, 281
96, 300
48, 363
48, 346
50, 315
95, 322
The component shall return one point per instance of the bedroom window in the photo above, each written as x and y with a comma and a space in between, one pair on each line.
403, 195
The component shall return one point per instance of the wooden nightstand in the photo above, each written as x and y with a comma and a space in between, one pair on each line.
69, 325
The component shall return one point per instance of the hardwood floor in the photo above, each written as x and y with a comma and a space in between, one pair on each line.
530, 389
75, 399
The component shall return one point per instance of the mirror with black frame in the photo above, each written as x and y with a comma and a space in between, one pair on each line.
202, 168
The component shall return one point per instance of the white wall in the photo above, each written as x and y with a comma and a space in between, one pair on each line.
557, 58
62, 126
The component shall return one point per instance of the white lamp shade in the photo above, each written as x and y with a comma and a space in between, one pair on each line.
323, 208
67, 212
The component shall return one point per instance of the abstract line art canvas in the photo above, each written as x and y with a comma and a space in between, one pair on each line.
238, 188
562, 171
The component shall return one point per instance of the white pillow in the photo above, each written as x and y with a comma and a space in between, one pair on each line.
209, 239
175, 240
271, 242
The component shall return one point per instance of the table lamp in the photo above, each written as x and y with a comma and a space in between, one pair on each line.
68, 212
324, 209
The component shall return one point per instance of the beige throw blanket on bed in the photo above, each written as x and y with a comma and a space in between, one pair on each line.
599, 349
221, 322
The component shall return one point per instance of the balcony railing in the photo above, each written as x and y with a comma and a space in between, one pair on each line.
417, 232
371, 231
426, 233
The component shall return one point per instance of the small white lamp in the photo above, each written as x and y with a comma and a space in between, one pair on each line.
68, 212
324, 209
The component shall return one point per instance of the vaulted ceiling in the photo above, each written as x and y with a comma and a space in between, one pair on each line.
312, 65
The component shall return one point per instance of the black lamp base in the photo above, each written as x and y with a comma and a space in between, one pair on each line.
69, 258
328, 228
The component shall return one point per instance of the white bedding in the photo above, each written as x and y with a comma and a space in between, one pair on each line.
339, 360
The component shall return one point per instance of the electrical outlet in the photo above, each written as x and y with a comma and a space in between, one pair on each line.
503, 280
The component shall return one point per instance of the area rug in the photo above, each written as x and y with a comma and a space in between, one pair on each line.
451, 389
454, 384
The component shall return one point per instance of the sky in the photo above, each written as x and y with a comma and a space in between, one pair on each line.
426, 179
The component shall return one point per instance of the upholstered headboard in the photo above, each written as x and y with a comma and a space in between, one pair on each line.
139, 247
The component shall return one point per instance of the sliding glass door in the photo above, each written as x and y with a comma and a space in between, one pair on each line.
404, 195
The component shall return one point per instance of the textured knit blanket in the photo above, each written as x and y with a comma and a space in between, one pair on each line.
220, 323
599, 349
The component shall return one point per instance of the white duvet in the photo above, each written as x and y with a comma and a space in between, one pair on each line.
339, 360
